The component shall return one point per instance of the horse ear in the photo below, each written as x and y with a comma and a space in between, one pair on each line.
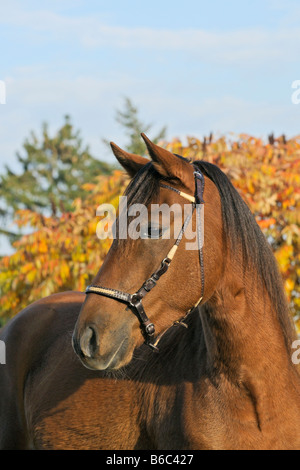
168, 164
130, 162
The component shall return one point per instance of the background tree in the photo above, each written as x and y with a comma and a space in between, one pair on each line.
133, 127
61, 253
53, 171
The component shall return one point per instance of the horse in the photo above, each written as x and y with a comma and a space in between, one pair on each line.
183, 355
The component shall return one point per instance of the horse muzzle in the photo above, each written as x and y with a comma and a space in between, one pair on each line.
101, 353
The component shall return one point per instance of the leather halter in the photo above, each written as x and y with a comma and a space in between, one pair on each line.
134, 301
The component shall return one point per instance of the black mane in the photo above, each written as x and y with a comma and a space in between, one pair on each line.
243, 235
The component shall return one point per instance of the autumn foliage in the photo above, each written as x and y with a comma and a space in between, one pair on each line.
64, 253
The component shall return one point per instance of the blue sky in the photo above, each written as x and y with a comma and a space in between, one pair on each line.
194, 66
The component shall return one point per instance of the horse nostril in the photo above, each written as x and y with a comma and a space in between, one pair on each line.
88, 342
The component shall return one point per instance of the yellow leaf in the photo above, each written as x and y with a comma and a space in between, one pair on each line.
30, 277
43, 247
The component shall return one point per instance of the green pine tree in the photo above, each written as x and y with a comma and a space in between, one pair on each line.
130, 121
53, 170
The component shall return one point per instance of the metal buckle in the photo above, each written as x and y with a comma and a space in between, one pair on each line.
150, 329
198, 174
153, 347
149, 284
135, 299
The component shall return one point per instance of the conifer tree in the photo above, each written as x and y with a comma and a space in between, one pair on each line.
53, 170
129, 119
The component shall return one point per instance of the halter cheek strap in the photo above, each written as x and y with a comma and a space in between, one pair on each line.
134, 301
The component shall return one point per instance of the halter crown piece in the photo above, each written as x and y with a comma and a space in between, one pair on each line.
134, 301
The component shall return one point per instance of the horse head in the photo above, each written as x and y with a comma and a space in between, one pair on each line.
108, 329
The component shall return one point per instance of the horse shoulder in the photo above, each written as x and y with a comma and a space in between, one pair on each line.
27, 337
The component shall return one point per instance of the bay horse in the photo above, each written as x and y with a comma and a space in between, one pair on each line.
154, 367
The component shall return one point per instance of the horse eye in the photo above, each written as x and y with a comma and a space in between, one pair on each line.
152, 231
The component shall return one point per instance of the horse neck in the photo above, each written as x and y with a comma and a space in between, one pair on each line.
237, 332
245, 336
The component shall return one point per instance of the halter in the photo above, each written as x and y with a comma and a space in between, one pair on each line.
134, 301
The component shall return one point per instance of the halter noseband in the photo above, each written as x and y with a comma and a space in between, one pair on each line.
134, 301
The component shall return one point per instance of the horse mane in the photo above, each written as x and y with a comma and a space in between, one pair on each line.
242, 234
244, 238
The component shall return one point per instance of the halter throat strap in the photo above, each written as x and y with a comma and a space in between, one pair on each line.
134, 301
